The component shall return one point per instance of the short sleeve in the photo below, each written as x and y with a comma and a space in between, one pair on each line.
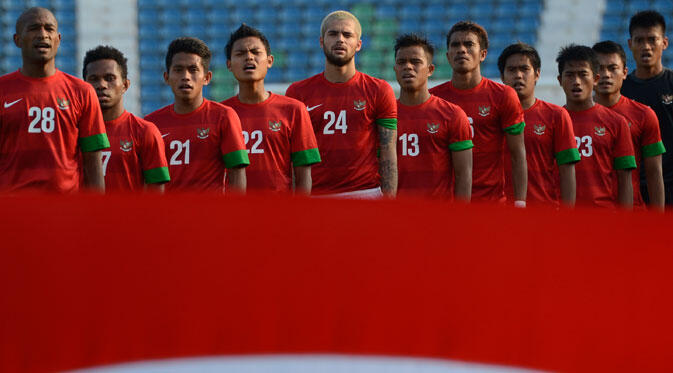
153, 156
292, 92
651, 143
624, 157
511, 112
386, 106
565, 146
92, 136
304, 147
232, 144
461, 135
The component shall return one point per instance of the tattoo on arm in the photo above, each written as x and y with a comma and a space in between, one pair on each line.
388, 161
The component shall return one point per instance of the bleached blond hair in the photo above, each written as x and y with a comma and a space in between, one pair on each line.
338, 15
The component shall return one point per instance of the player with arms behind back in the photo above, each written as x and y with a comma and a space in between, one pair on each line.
50, 122
352, 114
136, 158
202, 137
643, 122
602, 136
277, 129
494, 113
551, 150
435, 141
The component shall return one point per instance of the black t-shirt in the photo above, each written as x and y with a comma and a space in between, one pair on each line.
657, 93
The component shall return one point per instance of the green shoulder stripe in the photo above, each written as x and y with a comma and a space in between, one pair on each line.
306, 157
571, 155
156, 175
625, 163
387, 123
94, 143
238, 158
654, 149
461, 145
515, 129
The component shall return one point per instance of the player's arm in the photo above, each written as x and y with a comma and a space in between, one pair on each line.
462, 169
155, 188
517, 151
625, 188
568, 183
302, 180
92, 166
388, 160
655, 181
237, 181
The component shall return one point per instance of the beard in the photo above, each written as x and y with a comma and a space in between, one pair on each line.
337, 61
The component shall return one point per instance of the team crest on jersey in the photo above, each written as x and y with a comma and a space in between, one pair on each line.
359, 105
433, 127
63, 104
600, 131
484, 111
666, 99
539, 129
275, 126
202, 133
125, 146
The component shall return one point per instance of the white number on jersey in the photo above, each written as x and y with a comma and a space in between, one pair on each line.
255, 136
179, 148
339, 124
106, 159
409, 144
587, 150
45, 117
471, 125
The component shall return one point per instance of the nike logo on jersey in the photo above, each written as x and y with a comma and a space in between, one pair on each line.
165, 135
8, 104
312, 107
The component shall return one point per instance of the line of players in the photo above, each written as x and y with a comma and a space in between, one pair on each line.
444, 142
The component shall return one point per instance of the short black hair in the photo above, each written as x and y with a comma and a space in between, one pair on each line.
469, 26
245, 31
189, 45
105, 52
412, 40
647, 19
519, 48
577, 53
610, 47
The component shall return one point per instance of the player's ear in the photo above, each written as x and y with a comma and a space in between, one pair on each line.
537, 75
559, 80
16, 40
431, 69
269, 60
207, 77
126, 84
665, 42
447, 56
166, 77
482, 55
321, 43
357, 49
229, 65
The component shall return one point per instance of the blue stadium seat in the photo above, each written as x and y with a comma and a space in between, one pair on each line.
664, 6
410, 24
289, 14
637, 5
413, 11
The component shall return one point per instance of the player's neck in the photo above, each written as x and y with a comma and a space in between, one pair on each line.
252, 92
187, 106
38, 70
114, 112
608, 100
339, 74
647, 72
580, 105
413, 98
527, 102
466, 80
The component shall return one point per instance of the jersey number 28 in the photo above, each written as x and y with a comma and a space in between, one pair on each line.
44, 117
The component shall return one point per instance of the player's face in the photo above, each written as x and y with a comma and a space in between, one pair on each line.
187, 76
647, 44
578, 81
249, 61
106, 77
612, 73
465, 53
521, 75
413, 67
38, 38
340, 42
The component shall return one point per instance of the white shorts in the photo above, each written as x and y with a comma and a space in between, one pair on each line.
373, 193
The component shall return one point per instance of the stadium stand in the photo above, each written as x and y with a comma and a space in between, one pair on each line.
616, 23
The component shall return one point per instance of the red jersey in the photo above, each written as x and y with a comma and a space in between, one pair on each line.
550, 141
136, 157
492, 110
644, 126
605, 146
200, 145
345, 118
278, 135
44, 125
427, 135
